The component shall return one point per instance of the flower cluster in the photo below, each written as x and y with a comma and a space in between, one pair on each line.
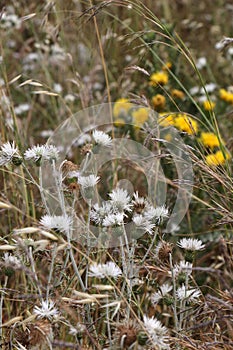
9, 153
110, 269
46, 310
124, 112
43, 152
59, 223
121, 206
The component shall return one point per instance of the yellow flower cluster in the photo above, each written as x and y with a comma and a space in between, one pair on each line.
226, 95
167, 66
209, 139
140, 116
177, 94
166, 119
217, 158
181, 121
159, 78
209, 105
125, 113
185, 123
158, 102
121, 107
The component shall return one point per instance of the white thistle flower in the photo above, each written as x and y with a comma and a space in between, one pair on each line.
191, 244
88, 181
143, 223
101, 138
61, 223
12, 261
98, 213
73, 331
139, 201
120, 199
183, 267
110, 269
37, 153
158, 213
114, 219
46, 310
156, 331
190, 295
76, 330
9, 152
163, 291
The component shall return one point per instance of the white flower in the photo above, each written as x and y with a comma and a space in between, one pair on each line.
46, 133
9, 152
156, 331
208, 88
77, 330
72, 174
73, 331
163, 291
110, 269
191, 244
98, 213
230, 51
101, 138
139, 201
158, 213
46, 310
194, 90
83, 139
37, 153
223, 43
143, 223
183, 266
57, 88
201, 63
113, 219
12, 261
88, 181
23, 107
120, 199
190, 295
61, 223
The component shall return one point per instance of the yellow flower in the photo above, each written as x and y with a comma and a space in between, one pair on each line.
119, 122
209, 105
186, 124
167, 66
226, 95
158, 101
159, 78
209, 139
218, 158
121, 107
177, 94
140, 116
166, 119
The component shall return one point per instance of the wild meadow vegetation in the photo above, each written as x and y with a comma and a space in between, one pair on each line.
116, 174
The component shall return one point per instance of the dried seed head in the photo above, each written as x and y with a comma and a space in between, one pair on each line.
86, 148
40, 333
36, 335
126, 333
67, 167
163, 250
